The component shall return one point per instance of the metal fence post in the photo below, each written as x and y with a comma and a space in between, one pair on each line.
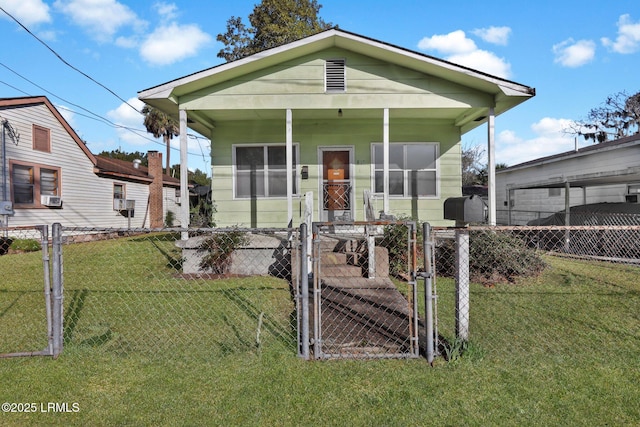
47, 285
462, 284
317, 339
428, 290
57, 307
304, 285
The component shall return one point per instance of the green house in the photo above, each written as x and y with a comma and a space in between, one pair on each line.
339, 120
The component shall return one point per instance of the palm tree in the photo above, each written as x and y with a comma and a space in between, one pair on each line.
161, 125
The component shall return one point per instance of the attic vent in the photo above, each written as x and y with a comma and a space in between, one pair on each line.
335, 76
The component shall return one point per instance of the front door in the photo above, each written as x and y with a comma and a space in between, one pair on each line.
337, 186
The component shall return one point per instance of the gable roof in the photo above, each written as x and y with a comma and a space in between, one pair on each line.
505, 93
590, 149
116, 168
103, 166
35, 100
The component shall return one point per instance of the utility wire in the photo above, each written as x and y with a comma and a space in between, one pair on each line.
98, 117
67, 63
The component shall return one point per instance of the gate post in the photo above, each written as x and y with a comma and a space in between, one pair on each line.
304, 291
428, 290
57, 307
462, 284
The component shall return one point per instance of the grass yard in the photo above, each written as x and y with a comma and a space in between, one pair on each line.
146, 347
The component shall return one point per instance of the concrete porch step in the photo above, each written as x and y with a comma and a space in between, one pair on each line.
341, 271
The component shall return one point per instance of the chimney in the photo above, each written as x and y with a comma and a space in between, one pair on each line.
156, 211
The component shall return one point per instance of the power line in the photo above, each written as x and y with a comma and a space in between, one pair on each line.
97, 117
67, 63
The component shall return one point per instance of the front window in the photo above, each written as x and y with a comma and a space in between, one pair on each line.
412, 169
29, 182
260, 171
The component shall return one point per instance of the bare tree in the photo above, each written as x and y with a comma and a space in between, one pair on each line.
472, 169
617, 117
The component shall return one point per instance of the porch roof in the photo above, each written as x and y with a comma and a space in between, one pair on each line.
489, 91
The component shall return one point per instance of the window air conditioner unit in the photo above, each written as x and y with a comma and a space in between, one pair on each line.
632, 198
52, 201
123, 205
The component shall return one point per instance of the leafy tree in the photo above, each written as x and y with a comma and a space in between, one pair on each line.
122, 155
161, 125
618, 117
272, 23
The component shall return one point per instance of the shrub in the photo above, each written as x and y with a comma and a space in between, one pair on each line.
493, 257
219, 248
169, 218
26, 245
395, 240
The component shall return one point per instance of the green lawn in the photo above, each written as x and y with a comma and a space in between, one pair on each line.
146, 347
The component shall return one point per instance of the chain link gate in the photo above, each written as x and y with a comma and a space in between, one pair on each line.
361, 299
30, 294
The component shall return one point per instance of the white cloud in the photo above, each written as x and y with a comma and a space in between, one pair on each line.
166, 10
495, 35
455, 42
628, 40
69, 115
484, 61
100, 18
125, 116
551, 137
29, 12
571, 53
460, 49
172, 43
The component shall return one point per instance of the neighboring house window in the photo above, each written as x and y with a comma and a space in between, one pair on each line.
412, 169
119, 191
335, 79
555, 192
41, 139
260, 171
29, 182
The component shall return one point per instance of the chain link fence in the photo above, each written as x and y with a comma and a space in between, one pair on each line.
26, 298
151, 292
356, 290
537, 291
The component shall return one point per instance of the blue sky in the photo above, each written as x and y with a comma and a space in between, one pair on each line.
574, 53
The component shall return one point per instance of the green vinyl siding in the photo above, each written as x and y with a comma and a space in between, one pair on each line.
309, 135
300, 83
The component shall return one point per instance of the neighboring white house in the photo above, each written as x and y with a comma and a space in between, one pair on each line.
607, 172
48, 174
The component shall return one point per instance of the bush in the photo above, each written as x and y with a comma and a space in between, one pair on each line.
494, 257
25, 245
395, 238
169, 219
219, 248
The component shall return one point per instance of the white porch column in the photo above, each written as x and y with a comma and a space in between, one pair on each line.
184, 175
385, 160
289, 158
491, 167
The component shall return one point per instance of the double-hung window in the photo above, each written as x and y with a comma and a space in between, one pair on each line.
29, 182
413, 169
261, 171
